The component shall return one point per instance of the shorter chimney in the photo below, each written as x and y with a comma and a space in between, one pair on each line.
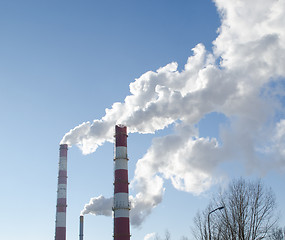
81, 227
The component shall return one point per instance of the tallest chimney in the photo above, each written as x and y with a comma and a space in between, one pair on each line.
121, 205
60, 222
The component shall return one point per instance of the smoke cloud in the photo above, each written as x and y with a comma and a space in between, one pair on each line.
240, 78
149, 236
99, 206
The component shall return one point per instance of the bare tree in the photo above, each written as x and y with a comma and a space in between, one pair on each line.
157, 237
277, 234
167, 236
248, 214
201, 230
184, 238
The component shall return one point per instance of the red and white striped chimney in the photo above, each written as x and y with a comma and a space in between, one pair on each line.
121, 205
60, 222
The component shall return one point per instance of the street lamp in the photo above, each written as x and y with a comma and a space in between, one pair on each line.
219, 208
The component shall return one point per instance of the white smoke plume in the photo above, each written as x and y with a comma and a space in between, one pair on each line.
149, 236
240, 78
99, 205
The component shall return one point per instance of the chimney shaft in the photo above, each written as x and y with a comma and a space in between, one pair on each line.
81, 219
121, 205
60, 222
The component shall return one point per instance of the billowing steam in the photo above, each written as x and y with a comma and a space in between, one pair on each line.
100, 205
241, 79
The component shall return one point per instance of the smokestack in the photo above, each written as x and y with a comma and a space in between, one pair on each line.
81, 219
121, 205
60, 222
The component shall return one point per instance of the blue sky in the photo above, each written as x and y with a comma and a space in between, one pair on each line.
63, 63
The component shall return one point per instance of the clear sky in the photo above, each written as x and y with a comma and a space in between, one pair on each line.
209, 119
